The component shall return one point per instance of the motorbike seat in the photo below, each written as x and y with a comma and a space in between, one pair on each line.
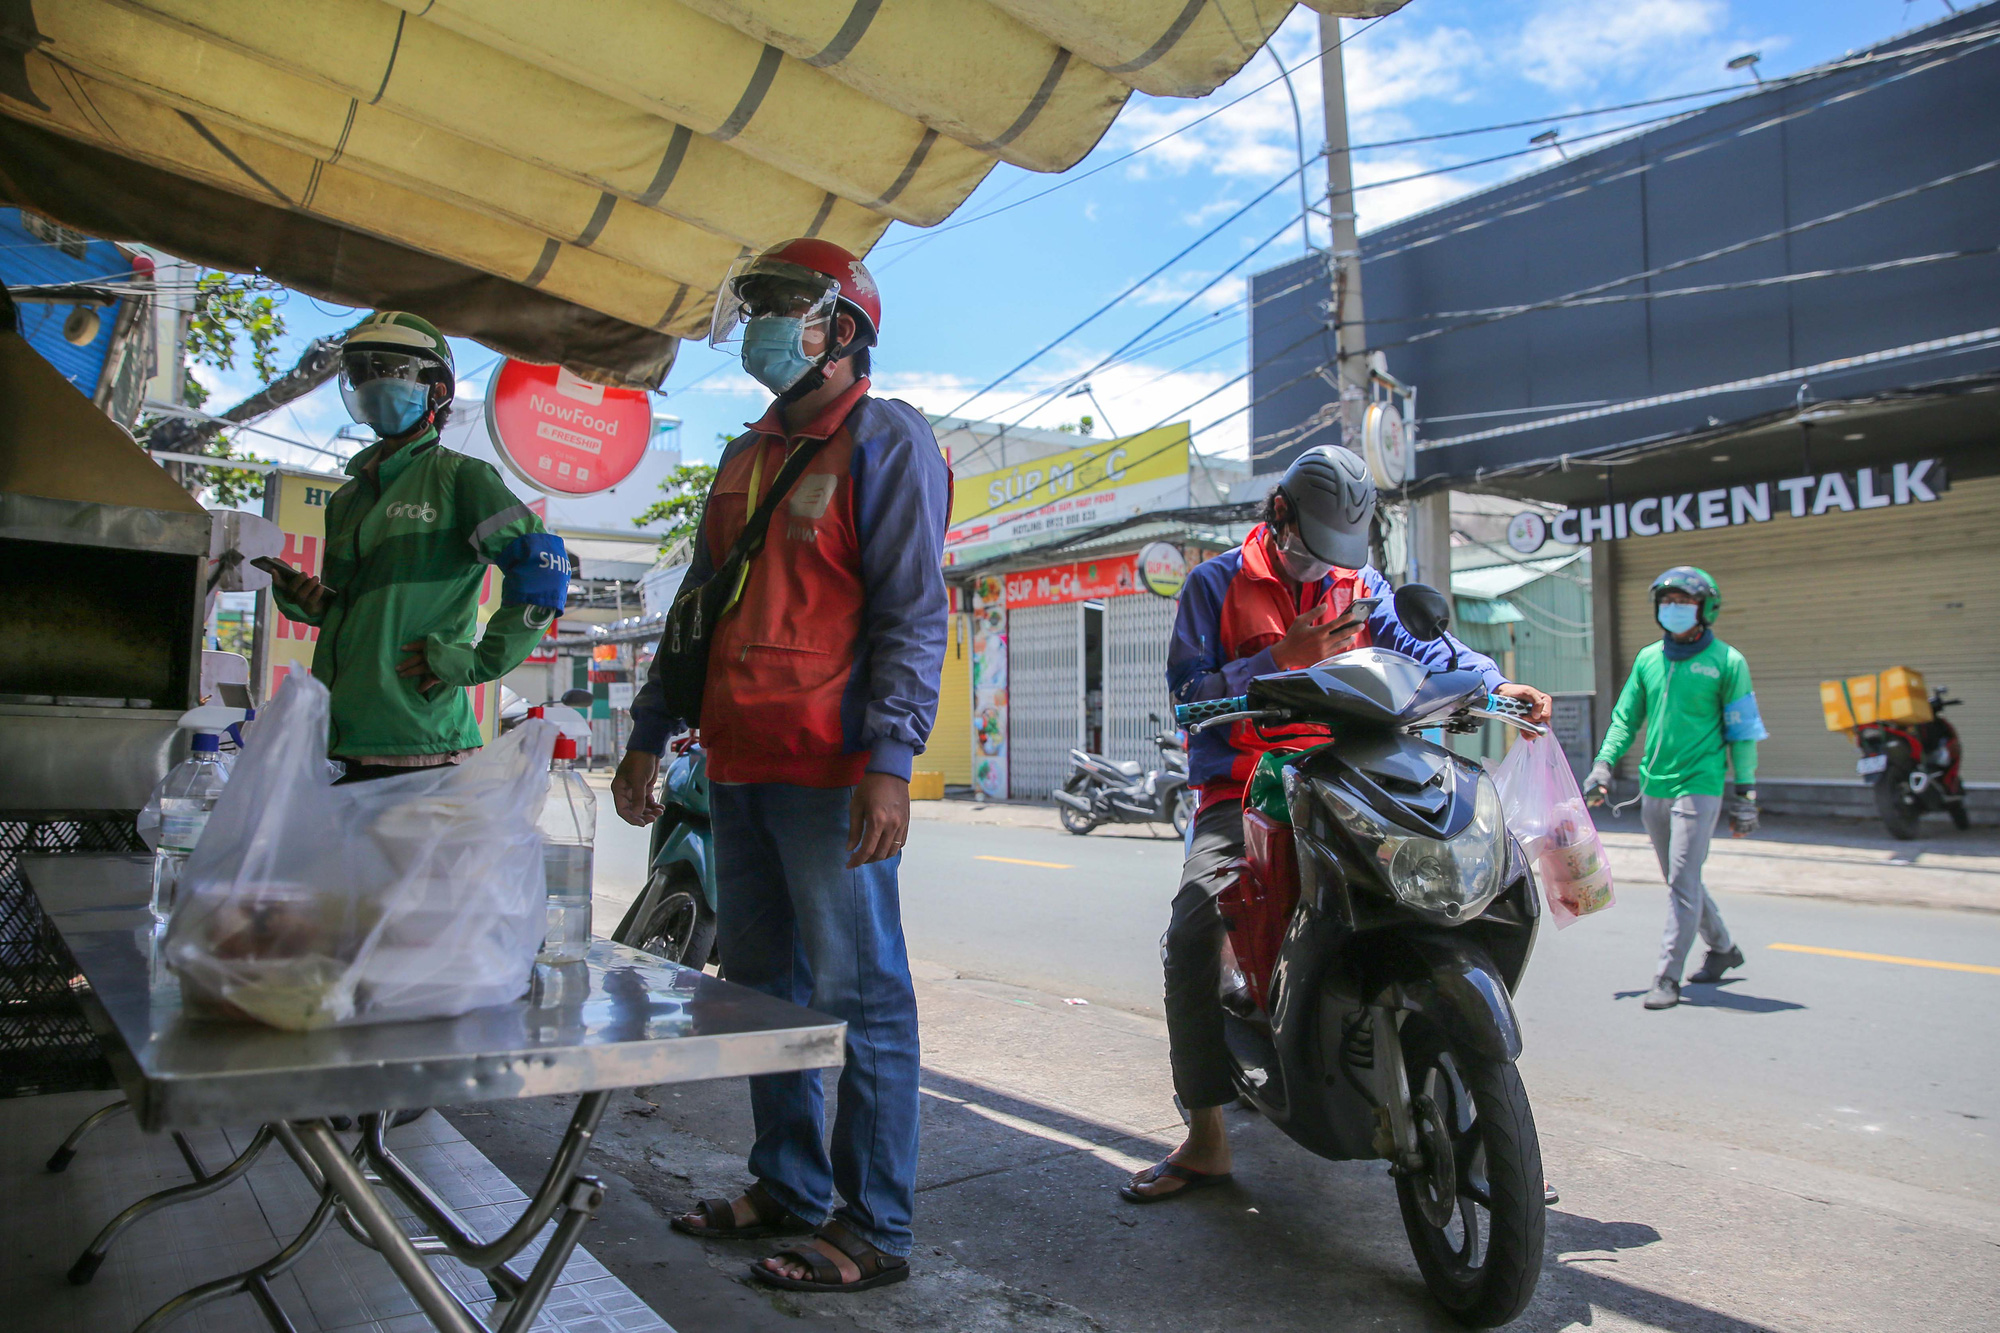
1130, 768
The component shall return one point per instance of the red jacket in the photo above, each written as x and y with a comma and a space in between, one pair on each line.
1259, 606
827, 665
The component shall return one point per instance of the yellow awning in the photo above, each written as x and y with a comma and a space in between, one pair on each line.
566, 181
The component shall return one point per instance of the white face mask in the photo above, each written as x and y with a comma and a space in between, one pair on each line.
1299, 562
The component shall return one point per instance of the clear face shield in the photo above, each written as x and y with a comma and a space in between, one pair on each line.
385, 391
758, 288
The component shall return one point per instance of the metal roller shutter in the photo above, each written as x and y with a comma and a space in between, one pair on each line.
1045, 697
1807, 600
1137, 630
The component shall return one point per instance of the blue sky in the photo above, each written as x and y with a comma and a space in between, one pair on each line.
964, 302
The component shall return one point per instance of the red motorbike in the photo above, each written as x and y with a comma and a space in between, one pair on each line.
1913, 767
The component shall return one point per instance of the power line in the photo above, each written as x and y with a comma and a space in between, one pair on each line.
1954, 342
1145, 147
1705, 289
1838, 215
1050, 394
1611, 173
1183, 253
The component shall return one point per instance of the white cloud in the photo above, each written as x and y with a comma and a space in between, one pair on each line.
1569, 45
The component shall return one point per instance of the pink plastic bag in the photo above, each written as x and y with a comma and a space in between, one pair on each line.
1546, 812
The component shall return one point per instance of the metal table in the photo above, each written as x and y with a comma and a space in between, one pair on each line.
621, 1019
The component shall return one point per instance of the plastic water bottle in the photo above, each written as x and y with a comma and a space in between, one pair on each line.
569, 828
185, 802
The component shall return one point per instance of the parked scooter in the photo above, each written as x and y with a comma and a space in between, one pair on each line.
1100, 791
1913, 767
674, 916
1376, 942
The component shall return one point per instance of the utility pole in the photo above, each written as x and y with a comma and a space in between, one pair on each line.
1428, 540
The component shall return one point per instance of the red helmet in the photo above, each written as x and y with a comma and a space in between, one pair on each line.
829, 277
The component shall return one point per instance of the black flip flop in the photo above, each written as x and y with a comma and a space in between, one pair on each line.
877, 1268
718, 1218
1191, 1181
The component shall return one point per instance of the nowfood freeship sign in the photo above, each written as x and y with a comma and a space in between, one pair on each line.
565, 435
1809, 496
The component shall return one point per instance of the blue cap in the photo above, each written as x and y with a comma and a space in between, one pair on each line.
207, 742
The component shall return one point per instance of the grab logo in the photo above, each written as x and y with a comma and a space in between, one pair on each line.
420, 510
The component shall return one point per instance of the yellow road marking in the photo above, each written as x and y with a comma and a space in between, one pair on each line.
1017, 861
1890, 958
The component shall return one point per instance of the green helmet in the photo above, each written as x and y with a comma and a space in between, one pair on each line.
1696, 583
400, 331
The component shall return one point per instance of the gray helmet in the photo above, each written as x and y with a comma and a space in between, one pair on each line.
1333, 499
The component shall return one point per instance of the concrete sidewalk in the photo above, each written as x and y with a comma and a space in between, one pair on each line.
1035, 1110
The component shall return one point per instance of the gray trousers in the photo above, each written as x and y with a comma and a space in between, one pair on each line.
1680, 829
1192, 952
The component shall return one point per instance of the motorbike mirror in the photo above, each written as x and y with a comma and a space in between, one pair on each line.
1424, 611
576, 698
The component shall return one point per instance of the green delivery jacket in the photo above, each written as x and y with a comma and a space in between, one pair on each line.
1695, 711
405, 555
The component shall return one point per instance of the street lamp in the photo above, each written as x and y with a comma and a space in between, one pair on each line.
1548, 139
1083, 391
1748, 60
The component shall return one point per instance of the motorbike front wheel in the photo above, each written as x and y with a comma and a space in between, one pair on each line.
1896, 804
1475, 1212
1076, 821
681, 926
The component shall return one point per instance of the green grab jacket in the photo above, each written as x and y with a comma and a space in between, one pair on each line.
1695, 712
405, 556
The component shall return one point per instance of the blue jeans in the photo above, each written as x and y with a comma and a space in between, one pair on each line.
795, 923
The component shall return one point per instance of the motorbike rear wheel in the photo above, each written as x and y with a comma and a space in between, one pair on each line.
681, 926
1475, 1213
1896, 804
1076, 821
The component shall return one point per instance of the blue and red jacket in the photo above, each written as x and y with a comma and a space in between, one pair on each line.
1233, 610
828, 665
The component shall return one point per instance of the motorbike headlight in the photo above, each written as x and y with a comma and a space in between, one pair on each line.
1449, 880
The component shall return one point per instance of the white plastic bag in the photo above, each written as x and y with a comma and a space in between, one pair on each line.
420, 896
1546, 812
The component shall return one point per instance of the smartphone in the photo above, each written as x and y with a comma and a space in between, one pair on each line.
1359, 610
281, 573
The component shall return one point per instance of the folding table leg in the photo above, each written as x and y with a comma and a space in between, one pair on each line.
88, 1262
62, 1156
444, 1310
255, 1281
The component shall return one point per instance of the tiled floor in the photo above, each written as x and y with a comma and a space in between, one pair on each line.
338, 1287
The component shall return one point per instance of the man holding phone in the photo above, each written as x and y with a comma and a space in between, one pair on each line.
408, 543
1299, 590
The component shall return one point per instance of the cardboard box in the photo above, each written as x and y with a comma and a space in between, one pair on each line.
926, 786
1833, 703
1900, 696
1847, 703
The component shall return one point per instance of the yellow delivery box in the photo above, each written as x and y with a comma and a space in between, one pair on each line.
1848, 703
1901, 697
1896, 695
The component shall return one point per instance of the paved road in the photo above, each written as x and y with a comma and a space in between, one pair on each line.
1808, 1148
1865, 1066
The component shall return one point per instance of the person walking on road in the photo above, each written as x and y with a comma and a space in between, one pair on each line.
408, 544
1279, 602
1692, 692
822, 686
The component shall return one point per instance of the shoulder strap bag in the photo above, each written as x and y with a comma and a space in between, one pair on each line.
681, 662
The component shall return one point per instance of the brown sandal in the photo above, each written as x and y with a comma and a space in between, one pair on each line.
877, 1269
718, 1218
